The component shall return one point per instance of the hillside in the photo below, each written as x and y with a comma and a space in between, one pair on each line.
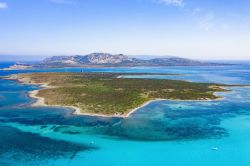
119, 60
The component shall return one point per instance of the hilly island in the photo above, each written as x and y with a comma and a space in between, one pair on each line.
116, 60
109, 60
107, 94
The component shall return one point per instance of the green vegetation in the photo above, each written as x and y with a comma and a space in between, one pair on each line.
104, 93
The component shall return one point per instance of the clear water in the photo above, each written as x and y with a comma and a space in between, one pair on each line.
174, 133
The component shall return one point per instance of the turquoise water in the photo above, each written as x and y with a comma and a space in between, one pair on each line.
174, 133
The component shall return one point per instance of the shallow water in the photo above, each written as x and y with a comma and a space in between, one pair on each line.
164, 132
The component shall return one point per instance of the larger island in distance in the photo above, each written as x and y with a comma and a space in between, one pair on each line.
109, 60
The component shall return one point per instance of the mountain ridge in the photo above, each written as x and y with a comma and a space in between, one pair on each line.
106, 59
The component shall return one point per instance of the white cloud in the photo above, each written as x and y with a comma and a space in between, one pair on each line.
63, 1
208, 21
196, 11
3, 5
171, 2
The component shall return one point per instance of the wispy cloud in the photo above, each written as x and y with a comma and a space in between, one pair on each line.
64, 1
3, 5
196, 11
171, 2
205, 20
208, 21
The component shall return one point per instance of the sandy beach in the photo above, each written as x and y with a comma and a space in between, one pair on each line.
40, 101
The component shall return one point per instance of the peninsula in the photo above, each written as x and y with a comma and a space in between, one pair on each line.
107, 94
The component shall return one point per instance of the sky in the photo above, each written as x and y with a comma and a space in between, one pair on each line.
196, 29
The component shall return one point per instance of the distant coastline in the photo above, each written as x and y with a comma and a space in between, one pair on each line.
106, 60
18, 67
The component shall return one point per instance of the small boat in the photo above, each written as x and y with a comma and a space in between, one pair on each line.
215, 148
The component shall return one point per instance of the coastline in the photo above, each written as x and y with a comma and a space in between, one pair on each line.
40, 101
18, 67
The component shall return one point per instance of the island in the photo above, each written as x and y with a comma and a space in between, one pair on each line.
108, 94
97, 60
18, 66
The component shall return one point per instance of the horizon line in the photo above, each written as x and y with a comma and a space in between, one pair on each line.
40, 57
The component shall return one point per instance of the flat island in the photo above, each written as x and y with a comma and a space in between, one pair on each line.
106, 94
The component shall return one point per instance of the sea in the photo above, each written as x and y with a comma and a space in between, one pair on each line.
163, 133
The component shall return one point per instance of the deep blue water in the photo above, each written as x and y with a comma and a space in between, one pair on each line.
162, 133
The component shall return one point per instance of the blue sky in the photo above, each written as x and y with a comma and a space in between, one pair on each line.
199, 29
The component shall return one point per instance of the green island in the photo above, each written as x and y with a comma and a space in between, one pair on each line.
110, 95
